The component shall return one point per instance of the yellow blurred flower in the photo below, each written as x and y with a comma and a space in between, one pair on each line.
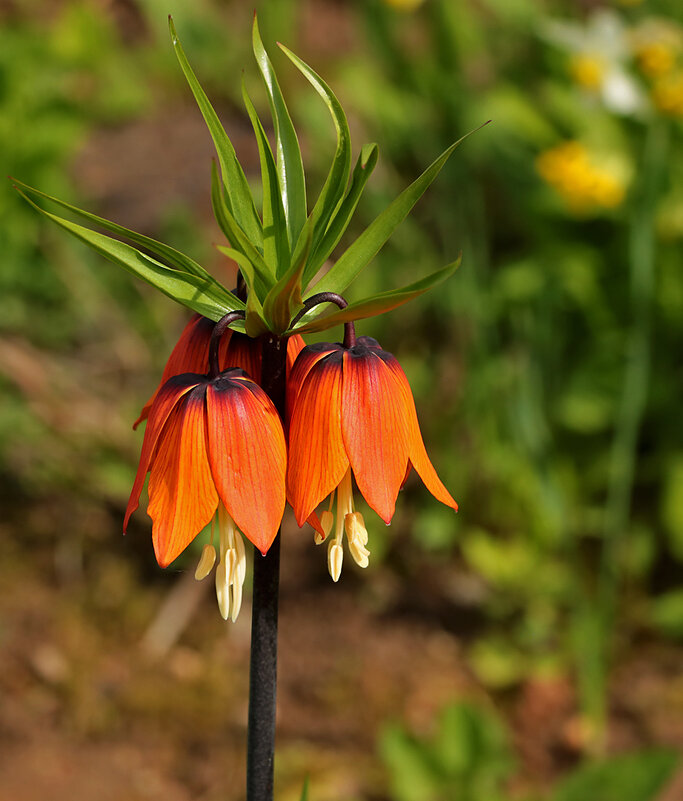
587, 70
404, 5
667, 94
657, 44
656, 58
574, 173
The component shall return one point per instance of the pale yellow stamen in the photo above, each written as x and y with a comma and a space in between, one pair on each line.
349, 521
223, 584
237, 575
231, 570
326, 522
358, 537
206, 562
335, 558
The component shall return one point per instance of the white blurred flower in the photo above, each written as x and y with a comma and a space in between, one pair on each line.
600, 53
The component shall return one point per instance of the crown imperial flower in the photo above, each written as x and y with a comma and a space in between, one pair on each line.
213, 446
351, 412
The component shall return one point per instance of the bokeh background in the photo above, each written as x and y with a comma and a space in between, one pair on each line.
530, 648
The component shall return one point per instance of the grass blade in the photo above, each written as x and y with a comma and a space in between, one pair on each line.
338, 176
239, 198
255, 321
203, 295
168, 254
368, 244
263, 276
290, 167
275, 243
284, 299
378, 304
367, 160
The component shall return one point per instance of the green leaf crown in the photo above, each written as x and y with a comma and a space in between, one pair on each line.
280, 252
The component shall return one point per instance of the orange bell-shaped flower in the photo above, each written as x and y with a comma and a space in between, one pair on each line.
351, 411
212, 445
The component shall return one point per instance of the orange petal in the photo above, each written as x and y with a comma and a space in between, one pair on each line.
317, 458
417, 452
295, 344
248, 456
239, 350
182, 495
190, 355
374, 428
405, 477
314, 521
166, 398
308, 357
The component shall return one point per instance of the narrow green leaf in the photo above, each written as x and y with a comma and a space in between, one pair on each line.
254, 324
366, 247
304, 790
199, 294
377, 304
275, 242
338, 176
290, 168
284, 299
367, 160
239, 199
264, 276
168, 254
255, 321
246, 267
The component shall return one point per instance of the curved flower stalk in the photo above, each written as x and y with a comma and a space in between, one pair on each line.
352, 414
191, 355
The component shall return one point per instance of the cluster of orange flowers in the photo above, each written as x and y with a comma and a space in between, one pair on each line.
218, 451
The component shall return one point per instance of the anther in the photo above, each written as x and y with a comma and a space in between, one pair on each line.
358, 538
335, 557
223, 589
206, 562
232, 567
237, 575
326, 523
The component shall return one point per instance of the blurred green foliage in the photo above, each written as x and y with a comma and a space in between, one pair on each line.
546, 372
469, 759
552, 399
